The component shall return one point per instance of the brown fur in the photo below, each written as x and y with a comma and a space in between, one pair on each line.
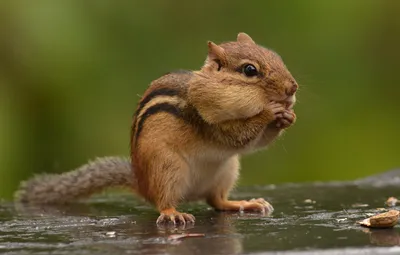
222, 113
79, 183
191, 127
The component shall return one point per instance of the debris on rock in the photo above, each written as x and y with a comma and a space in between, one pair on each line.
111, 234
181, 236
383, 220
359, 205
392, 201
309, 201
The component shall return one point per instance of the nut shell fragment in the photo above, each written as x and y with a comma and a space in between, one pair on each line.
383, 220
392, 201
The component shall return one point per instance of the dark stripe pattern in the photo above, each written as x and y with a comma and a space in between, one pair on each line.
162, 107
148, 98
155, 93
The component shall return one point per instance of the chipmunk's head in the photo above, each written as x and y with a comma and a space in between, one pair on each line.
245, 62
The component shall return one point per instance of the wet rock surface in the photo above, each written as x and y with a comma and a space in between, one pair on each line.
319, 218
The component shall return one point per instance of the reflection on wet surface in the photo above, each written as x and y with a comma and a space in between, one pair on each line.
311, 217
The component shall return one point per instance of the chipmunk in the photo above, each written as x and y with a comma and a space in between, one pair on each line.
189, 129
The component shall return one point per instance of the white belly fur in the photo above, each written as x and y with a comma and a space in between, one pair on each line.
209, 169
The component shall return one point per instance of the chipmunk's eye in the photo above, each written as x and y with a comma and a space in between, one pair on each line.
250, 70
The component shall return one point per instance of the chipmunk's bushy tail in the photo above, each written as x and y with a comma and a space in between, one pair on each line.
79, 183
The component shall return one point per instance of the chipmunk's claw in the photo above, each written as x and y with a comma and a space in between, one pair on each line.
265, 207
286, 119
176, 218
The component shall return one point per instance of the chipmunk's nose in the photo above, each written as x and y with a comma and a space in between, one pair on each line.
292, 89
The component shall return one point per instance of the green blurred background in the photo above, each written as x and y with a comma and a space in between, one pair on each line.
71, 73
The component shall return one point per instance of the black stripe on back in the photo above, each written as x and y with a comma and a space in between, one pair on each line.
162, 107
155, 93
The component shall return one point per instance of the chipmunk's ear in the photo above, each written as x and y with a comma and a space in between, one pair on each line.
244, 38
216, 53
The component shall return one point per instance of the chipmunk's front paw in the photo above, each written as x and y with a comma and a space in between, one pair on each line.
256, 204
275, 110
286, 119
253, 205
171, 215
